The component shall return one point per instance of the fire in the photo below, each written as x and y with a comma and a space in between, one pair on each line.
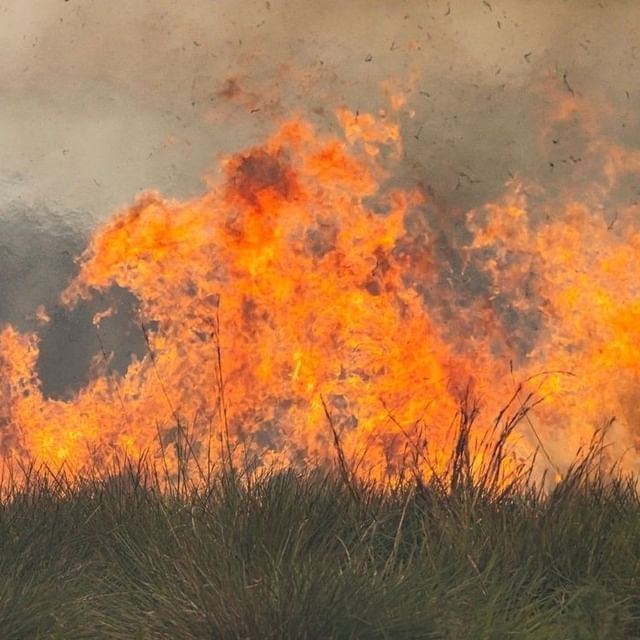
302, 289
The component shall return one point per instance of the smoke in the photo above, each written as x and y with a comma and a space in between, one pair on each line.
102, 100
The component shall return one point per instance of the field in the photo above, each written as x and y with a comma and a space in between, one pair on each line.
318, 554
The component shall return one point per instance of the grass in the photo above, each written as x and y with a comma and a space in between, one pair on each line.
318, 554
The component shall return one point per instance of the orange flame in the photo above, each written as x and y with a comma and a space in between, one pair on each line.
296, 286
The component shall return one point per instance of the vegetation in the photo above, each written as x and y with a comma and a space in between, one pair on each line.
318, 554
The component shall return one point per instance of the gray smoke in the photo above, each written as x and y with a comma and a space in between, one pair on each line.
101, 100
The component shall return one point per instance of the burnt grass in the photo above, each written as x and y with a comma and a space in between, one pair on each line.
316, 553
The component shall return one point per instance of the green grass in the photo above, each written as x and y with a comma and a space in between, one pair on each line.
317, 554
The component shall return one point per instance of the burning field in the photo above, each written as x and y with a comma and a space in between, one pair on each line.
309, 295
352, 274
378, 378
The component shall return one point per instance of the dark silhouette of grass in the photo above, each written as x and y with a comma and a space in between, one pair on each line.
472, 553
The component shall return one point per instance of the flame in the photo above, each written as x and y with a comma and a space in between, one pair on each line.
302, 288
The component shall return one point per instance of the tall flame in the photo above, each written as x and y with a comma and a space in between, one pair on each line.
302, 288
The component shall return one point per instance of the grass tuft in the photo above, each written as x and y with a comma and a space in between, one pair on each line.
468, 554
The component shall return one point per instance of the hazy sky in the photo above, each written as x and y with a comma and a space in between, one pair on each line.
102, 99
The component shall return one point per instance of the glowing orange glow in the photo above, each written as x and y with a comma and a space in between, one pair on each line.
291, 286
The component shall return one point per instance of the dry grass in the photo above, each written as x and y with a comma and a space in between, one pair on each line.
319, 554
